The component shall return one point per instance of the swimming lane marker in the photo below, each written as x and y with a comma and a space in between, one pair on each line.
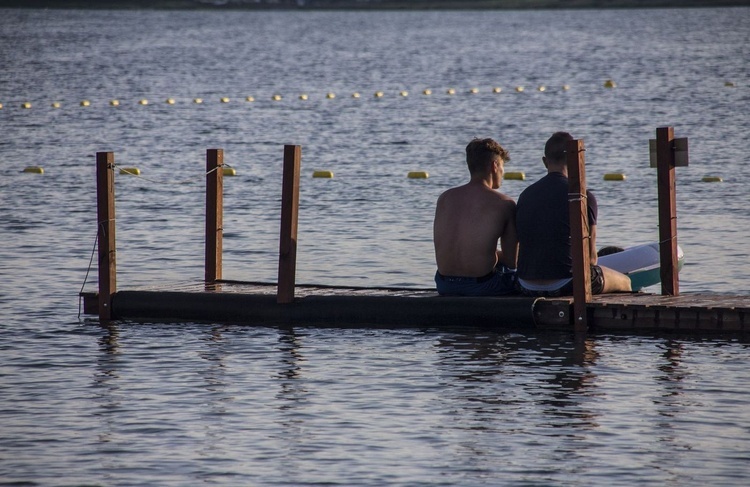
130, 171
34, 170
614, 176
322, 174
518, 176
418, 175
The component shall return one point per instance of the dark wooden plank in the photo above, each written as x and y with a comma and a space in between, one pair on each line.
665, 168
579, 233
289, 219
214, 214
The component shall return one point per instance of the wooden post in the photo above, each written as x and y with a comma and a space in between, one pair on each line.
214, 213
289, 218
665, 164
579, 233
105, 213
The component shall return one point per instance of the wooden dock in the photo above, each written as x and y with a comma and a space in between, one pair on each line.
255, 304
217, 300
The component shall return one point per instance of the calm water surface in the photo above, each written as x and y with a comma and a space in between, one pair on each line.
185, 403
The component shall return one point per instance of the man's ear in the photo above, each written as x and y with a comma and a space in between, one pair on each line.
544, 160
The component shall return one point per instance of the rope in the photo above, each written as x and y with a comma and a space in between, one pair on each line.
184, 181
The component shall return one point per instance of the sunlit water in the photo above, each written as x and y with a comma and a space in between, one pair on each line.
182, 404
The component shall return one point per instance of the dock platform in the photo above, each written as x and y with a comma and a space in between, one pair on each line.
255, 304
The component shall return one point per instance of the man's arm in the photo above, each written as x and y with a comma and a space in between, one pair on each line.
509, 239
592, 245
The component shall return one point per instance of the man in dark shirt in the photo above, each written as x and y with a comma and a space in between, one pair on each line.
544, 256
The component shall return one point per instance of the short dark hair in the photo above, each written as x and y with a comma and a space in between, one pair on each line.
554, 149
480, 153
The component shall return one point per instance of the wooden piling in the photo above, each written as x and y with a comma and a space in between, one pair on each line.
214, 214
289, 219
105, 212
665, 168
579, 233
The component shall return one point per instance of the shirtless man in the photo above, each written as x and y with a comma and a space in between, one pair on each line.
469, 221
544, 261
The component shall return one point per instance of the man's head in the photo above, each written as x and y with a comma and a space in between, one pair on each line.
554, 149
481, 154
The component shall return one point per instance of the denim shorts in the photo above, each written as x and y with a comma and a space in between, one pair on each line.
499, 282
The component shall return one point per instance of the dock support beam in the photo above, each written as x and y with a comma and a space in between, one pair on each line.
289, 219
579, 233
214, 214
105, 213
665, 164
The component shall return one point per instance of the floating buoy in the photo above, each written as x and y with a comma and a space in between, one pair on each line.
276, 97
378, 94
322, 174
25, 105
197, 101
730, 84
331, 96
143, 102
33, 170
566, 87
56, 104
85, 103
1, 106
497, 89
610, 84
712, 179
614, 176
451, 91
132, 171
517, 176
519, 89
170, 101
355, 95
427, 91
418, 175
224, 99
404, 93
474, 91
229, 171
114, 103
303, 96
249, 98
542, 88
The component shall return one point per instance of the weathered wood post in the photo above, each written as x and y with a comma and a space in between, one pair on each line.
105, 213
665, 164
214, 213
579, 233
289, 219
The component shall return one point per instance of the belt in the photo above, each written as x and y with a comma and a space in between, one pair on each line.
481, 279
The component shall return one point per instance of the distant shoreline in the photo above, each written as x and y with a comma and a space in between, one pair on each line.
309, 5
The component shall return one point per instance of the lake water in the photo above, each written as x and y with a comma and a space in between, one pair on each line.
188, 403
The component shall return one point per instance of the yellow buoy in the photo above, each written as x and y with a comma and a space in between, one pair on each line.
331, 96
143, 102
250, 98
427, 92
115, 103
276, 97
224, 99
566, 87
542, 88
25, 105
132, 171
355, 95
85, 103
170, 101
614, 176
729, 84
322, 174
229, 171
497, 89
517, 176
404, 93
474, 91
56, 104
712, 179
1, 106
520, 89
418, 175
34, 170
197, 101
303, 96
610, 84
451, 91
378, 94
